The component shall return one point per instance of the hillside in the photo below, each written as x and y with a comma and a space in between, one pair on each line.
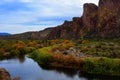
4, 34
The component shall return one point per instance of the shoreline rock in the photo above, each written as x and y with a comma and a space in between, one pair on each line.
4, 74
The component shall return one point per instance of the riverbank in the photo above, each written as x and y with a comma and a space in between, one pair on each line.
95, 65
4, 75
95, 57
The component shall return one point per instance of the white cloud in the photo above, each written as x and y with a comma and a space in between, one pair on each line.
89, 1
17, 0
26, 1
13, 28
39, 10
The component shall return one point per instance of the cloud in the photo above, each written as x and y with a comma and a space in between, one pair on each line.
24, 15
26, 1
13, 30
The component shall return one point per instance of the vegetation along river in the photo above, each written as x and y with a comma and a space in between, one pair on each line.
28, 69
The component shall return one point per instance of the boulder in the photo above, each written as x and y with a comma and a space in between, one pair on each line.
4, 75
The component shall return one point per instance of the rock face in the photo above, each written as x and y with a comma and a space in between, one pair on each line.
89, 19
109, 18
102, 21
80, 26
90, 16
4, 75
69, 29
97, 21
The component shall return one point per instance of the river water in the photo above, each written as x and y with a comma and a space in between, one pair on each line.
27, 69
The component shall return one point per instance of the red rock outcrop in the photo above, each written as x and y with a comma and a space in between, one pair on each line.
109, 18
97, 21
89, 19
90, 16
68, 30
79, 26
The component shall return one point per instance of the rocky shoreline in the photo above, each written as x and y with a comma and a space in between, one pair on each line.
4, 75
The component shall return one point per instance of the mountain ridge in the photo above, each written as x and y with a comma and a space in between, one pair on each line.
4, 34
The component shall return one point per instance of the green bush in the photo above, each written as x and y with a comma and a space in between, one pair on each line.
15, 52
104, 66
40, 57
29, 49
1, 56
2, 51
34, 55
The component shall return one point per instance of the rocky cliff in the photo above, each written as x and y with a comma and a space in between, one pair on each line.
97, 21
109, 18
69, 29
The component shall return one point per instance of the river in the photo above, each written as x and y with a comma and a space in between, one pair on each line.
28, 69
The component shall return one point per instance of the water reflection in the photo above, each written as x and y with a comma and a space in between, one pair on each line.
21, 58
98, 77
83, 76
68, 72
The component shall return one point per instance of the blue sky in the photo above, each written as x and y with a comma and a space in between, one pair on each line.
18, 16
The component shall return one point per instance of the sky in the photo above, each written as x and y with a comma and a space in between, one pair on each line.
18, 16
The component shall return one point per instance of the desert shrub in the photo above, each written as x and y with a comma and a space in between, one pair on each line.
69, 60
53, 42
15, 52
41, 57
44, 58
104, 66
108, 49
34, 55
19, 45
32, 44
7, 47
84, 41
29, 49
2, 51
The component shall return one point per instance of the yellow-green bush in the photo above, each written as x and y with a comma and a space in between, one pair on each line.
104, 66
41, 57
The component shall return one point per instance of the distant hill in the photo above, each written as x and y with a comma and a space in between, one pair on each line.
33, 35
4, 34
